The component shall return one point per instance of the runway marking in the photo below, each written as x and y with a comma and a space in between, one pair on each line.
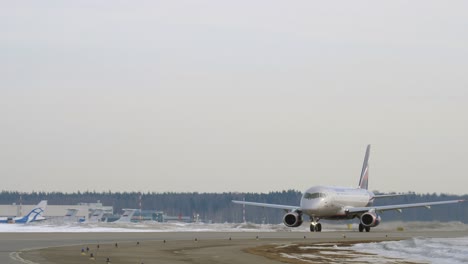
16, 257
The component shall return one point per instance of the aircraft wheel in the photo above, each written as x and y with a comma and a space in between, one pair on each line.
318, 227
361, 227
312, 228
367, 229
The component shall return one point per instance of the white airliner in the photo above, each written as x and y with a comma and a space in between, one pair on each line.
34, 215
337, 203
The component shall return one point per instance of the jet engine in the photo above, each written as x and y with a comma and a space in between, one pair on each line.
292, 219
370, 219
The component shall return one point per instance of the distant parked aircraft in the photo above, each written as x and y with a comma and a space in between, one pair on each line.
34, 215
126, 216
70, 216
336, 203
96, 216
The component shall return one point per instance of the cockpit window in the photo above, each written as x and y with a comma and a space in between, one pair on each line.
314, 195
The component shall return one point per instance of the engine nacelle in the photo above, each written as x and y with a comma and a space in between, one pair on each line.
370, 219
292, 219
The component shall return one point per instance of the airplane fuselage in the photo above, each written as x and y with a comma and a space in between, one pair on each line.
329, 202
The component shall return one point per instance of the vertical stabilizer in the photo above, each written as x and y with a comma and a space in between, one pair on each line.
35, 214
363, 181
71, 212
96, 216
70, 216
127, 215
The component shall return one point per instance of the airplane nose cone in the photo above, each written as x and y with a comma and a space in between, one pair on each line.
311, 204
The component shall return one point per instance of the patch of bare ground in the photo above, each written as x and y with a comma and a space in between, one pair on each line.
338, 252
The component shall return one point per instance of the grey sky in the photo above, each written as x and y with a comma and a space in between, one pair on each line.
214, 96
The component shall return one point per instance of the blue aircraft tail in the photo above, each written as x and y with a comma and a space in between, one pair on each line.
35, 214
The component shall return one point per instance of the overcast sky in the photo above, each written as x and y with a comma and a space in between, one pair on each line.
250, 96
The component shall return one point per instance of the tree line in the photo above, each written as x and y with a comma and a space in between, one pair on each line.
217, 207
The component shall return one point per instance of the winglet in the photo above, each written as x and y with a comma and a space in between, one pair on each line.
363, 181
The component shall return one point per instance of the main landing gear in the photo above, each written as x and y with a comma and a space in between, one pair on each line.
362, 228
315, 226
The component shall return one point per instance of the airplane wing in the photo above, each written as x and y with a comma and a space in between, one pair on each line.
278, 206
388, 195
354, 210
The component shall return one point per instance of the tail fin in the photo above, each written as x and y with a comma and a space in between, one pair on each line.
96, 215
71, 212
35, 214
363, 181
70, 216
127, 215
